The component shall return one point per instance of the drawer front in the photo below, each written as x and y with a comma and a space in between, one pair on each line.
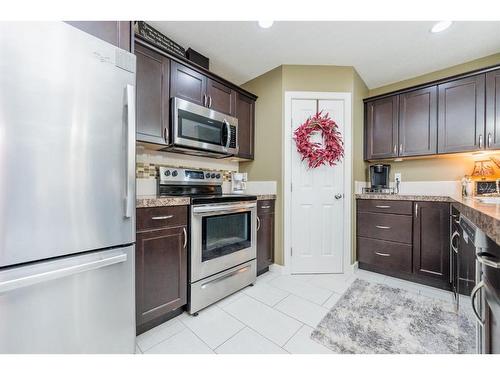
385, 206
385, 227
161, 217
264, 207
387, 255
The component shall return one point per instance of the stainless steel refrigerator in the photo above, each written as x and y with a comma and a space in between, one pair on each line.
67, 191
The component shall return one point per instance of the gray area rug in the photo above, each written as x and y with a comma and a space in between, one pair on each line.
372, 318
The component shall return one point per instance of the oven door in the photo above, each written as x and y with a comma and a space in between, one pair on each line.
223, 235
201, 128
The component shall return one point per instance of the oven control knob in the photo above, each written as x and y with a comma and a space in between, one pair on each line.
207, 175
174, 174
218, 176
167, 173
212, 175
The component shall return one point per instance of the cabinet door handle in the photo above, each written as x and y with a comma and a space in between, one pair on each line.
382, 206
258, 223
204, 100
382, 227
416, 209
185, 237
400, 148
264, 207
473, 300
455, 235
480, 141
165, 134
395, 149
383, 254
209, 102
489, 140
162, 217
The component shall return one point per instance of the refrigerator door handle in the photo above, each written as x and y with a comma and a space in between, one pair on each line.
41, 276
130, 176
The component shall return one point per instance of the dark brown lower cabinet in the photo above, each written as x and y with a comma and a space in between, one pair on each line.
265, 235
412, 244
161, 265
431, 246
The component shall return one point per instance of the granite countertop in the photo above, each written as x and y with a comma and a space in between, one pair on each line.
485, 215
143, 201
403, 197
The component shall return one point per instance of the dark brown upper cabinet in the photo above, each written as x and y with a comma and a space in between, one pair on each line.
493, 110
461, 115
162, 76
152, 95
221, 98
418, 122
381, 131
114, 32
245, 112
431, 233
188, 84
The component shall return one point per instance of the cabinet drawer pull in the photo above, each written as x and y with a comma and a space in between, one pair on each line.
383, 254
258, 223
382, 206
382, 227
162, 217
264, 207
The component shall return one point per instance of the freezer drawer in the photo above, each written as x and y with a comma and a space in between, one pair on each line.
207, 291
76, 304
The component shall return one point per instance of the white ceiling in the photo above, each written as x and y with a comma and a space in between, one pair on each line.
381, 52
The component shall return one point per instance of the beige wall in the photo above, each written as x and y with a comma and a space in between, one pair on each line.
268, 146
443, 73
271, 88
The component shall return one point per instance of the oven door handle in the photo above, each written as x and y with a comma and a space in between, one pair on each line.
473, 302
223, 209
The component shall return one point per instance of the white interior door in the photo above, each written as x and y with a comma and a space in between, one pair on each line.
317, 204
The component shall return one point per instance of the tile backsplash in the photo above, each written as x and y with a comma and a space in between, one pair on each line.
150, 170
148, 161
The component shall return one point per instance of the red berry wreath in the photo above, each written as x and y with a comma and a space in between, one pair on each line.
317, 154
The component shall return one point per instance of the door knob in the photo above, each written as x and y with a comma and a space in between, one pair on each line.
338, 196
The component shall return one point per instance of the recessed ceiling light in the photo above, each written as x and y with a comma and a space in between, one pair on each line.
266, 24
441, 26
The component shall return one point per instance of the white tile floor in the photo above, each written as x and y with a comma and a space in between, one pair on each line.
275, 316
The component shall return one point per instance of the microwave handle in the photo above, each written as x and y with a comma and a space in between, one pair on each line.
228, 132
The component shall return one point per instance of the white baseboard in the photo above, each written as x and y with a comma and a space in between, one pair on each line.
277, 268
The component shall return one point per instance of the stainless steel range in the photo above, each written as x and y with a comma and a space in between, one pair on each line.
223, 235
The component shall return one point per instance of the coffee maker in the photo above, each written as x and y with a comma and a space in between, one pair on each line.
239, 182
379, 179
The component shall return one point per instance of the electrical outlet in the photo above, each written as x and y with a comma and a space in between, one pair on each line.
397, 177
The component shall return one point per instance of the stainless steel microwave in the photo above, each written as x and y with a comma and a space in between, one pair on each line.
198, 130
